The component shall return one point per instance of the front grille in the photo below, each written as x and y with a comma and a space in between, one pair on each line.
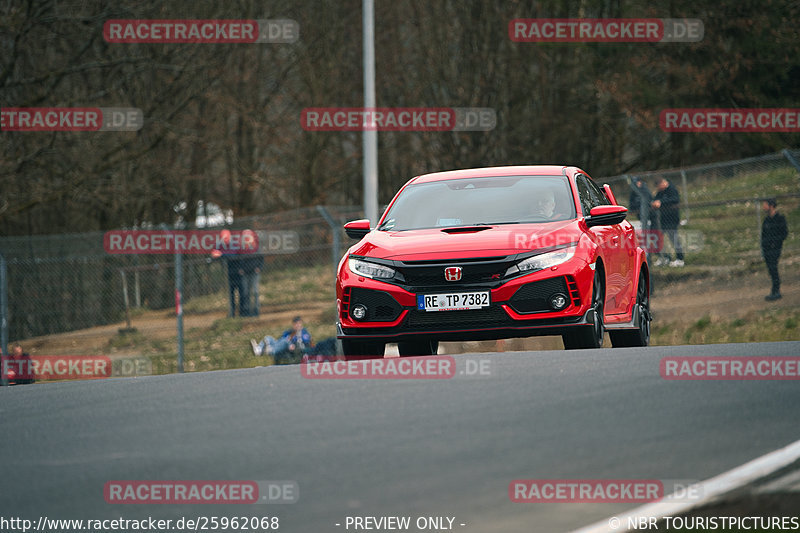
381, 307
454, 320
484, 271
535, 297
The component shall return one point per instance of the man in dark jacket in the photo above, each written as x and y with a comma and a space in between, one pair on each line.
667, 204
250, 264
773, 233
640, 199
231, 255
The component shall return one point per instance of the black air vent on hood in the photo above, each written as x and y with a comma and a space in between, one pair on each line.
466, 229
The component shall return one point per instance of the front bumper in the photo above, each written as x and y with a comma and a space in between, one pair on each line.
554, 326
519, 308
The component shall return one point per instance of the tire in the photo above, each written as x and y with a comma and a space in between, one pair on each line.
641, 335
590, 336
363, 348
412, 348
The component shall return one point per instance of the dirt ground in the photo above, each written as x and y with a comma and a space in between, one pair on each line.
726, 297
160, 325
683, 303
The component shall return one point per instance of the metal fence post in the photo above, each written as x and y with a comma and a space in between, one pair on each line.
788, 155
137, 292
685, 195
179, 305
336, 237
178, 301
125, 297
758, 220
3, 313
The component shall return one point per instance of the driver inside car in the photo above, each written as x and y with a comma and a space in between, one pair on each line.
544, 205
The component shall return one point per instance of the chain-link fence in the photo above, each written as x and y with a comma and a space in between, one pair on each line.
78, 294
720, 210
71, 294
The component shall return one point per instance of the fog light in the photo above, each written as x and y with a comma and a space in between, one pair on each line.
558, 301
359, 311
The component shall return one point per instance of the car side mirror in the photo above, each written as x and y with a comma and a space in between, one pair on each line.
606, 215
357, 229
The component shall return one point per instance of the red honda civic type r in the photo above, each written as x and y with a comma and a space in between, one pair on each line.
494, 253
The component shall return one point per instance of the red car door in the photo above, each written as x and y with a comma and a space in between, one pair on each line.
612, 241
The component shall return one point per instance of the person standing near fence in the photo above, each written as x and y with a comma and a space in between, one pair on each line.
231, 255
773, 233
251, 264
639, 200
667, 204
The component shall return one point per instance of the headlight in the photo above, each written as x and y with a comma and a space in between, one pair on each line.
540, 262
370, 270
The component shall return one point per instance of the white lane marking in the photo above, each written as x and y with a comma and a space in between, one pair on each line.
710, 489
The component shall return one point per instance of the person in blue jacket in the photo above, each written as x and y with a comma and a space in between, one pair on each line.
294, 341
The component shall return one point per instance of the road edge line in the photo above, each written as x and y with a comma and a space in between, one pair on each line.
711, 488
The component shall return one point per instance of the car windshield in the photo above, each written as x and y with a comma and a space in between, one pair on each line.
481, 201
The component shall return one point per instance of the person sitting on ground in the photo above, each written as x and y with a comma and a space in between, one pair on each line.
19, 367
294, 341
324, 350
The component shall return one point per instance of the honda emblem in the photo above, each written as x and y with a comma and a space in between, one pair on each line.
452, 273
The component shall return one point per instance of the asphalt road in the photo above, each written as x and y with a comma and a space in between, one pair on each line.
441, 448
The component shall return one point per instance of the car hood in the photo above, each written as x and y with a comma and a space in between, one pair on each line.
453, 243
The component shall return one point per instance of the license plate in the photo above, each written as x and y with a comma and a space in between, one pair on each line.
453, 301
